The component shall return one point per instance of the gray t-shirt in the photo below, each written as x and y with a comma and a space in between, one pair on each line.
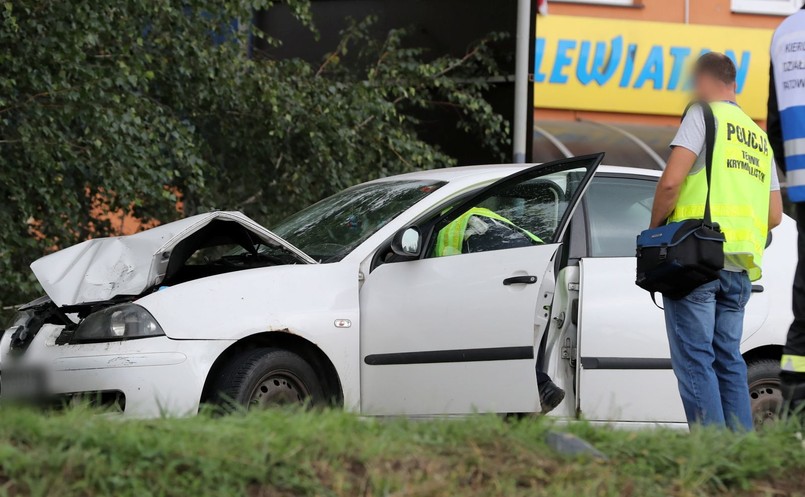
691, 136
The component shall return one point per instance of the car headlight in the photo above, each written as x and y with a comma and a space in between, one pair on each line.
119, 322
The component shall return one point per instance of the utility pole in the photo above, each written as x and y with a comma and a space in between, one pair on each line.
521, 79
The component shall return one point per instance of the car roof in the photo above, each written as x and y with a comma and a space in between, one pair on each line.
492, 172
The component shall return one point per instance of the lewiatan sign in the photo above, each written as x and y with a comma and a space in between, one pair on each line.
639, 67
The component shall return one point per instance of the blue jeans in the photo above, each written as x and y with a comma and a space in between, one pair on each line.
704, 332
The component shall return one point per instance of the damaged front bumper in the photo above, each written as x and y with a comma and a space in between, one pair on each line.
136, 374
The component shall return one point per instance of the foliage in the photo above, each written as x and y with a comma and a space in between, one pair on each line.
124, 108
292, 453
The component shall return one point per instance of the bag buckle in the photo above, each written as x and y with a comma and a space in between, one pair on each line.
663, 251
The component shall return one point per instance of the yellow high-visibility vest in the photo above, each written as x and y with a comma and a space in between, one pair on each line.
451, 238
739, 189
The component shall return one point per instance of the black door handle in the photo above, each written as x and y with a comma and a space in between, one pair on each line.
524, 280
757, 288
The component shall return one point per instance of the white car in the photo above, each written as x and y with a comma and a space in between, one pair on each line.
351, 301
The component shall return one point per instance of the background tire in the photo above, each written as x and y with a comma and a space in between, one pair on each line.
267, 377
763, 376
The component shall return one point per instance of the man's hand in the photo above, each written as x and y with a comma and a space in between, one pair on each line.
676, 170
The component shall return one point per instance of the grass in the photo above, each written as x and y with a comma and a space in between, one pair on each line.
290, 453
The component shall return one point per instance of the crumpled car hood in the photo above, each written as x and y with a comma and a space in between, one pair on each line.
100, 269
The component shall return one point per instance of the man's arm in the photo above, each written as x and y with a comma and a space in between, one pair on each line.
775, 209
679, 164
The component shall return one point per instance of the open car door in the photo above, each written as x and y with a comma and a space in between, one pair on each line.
453, 330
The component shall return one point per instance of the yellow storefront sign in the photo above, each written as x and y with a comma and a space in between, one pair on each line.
598, 64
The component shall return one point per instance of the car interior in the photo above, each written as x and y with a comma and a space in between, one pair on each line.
535, 206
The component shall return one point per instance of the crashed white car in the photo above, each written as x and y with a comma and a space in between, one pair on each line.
351, 301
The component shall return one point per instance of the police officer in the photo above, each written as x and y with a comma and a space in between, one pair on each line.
786, 125
705, 328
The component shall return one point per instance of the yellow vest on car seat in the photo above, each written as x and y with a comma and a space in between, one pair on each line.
451, 238
739, 188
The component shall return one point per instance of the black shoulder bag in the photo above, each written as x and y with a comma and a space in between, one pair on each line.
679, 257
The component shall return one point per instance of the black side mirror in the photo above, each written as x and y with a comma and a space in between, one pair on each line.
407, 242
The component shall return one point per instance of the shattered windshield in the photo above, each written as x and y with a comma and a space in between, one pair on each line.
330, 229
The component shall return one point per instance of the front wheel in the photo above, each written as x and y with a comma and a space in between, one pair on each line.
765, 395
267, 377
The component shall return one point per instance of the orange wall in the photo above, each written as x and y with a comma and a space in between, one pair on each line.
707, 12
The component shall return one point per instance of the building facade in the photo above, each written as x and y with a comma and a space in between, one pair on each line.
612, 73
608, 74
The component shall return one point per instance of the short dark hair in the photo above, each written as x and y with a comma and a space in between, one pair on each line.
717, 65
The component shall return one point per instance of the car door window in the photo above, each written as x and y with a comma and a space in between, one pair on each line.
618, 209
516, 214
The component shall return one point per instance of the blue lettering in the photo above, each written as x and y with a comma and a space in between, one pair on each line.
562, 61
652, 69
679, 54
539, 54
742, 68
603, 66
628, 65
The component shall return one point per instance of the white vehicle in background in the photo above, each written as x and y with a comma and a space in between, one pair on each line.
347, 302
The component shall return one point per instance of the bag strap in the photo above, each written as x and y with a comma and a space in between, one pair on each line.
654, 299
709, 146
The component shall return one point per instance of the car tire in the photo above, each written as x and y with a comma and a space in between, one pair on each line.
267, 377
763, 376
